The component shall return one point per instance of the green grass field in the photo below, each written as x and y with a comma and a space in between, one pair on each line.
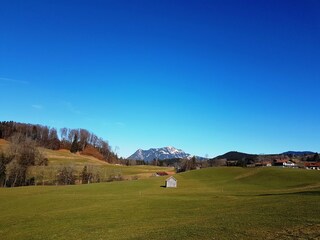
213, 203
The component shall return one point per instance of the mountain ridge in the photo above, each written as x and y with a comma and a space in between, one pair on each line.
298, 153
163, 153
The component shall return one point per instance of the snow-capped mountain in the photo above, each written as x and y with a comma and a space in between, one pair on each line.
159, 153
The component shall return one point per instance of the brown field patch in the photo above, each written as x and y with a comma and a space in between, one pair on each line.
310, 231
3, 142
91, 151
63, 150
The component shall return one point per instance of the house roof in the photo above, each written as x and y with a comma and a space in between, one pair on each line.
312, 164
171, 177
161, 173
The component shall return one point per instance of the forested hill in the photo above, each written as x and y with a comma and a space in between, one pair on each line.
72, 139
233, 155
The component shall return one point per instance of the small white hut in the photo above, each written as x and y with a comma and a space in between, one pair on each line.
171, 182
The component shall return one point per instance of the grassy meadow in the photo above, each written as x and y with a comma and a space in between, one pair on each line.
65, 157
213, 203
58, 158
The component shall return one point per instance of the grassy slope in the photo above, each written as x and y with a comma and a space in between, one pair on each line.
64, 157
216, 203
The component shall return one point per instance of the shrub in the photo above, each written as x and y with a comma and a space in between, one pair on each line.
66, 175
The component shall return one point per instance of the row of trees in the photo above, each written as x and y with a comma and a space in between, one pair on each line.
42, 135
314, 158
67, 175
76, 140
180, 165
70, 174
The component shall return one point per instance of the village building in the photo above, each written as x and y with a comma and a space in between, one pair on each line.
284, 163
312, 165
171, 182
279, 162
290, 164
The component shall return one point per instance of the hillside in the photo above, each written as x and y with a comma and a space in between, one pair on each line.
75, 140
298, 153
213, 203
63, 157
233, 155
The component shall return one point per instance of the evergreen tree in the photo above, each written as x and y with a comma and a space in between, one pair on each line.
84, 175
34, 134
74, 145
193, 163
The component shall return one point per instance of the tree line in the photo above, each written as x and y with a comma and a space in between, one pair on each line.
75, 140
23, 156
179, 164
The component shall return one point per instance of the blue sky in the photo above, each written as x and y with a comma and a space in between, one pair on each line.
203, 76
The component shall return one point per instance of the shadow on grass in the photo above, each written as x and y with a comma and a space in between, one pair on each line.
308, 193
163, 186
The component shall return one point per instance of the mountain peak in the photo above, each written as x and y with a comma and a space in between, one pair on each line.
168, 152
173, 149
170, 147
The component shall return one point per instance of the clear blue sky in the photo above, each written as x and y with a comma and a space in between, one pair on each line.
203, 76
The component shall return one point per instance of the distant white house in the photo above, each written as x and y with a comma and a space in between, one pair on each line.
171, 182
290, 164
